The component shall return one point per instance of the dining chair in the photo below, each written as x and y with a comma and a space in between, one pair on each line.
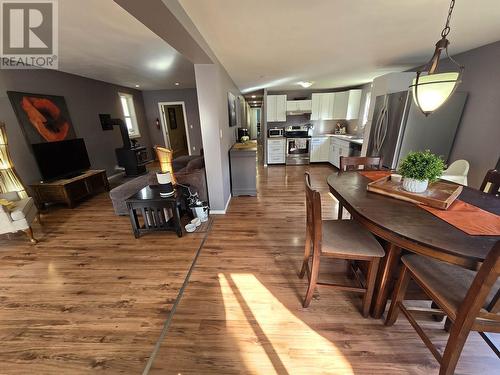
470, 300
353, 163
341, 239
457, 172
491, 182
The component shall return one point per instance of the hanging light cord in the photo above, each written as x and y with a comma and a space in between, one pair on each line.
446, 30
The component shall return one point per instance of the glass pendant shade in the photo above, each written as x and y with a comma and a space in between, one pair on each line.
433, 90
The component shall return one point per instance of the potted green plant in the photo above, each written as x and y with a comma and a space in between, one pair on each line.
420, 168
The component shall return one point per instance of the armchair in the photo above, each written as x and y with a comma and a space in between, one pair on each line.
18, 217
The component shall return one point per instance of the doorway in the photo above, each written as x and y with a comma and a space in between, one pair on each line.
174, 127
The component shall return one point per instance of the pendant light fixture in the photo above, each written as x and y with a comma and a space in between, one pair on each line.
430, 89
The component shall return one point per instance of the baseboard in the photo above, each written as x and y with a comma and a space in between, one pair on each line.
222, 212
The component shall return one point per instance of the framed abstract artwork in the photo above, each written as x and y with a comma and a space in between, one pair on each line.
172, 119
43, 118
231, 107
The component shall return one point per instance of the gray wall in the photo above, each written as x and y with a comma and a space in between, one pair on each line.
190, 99
478, 137
85, 98
213, 84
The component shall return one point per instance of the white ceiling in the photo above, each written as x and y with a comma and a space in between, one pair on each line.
100, 40
334, 43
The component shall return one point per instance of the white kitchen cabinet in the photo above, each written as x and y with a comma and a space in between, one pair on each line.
276, 108
322, 106
353, 104
320, 149
276, 151
303, 106
338, 148
340, 105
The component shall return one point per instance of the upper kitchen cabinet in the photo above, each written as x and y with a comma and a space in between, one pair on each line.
340, 105
353, 104
346, 105
322, 106
298, 106
276, 108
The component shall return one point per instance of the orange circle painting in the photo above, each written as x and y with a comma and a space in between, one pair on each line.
43, 117
46, 117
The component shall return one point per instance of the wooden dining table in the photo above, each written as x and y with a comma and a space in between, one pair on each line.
406, 226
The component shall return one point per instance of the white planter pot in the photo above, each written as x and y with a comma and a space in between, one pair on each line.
415, 186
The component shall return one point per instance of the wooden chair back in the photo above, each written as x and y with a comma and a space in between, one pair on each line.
313, 208
352, 163
480, 288
492, 177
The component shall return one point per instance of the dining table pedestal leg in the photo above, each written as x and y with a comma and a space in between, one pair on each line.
389, 264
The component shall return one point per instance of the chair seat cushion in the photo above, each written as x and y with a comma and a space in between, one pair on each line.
21, 208
349, 238
449, 282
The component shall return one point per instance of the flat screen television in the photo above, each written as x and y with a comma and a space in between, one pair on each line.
61, 159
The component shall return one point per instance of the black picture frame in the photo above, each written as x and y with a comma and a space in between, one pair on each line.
172, 118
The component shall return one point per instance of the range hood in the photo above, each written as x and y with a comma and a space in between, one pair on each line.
298, 107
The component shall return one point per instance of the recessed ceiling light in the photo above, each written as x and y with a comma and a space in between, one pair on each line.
177, 83
137, 86
254, 96
305, 84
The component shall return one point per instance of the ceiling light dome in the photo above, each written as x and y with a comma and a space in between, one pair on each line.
305, 84
430, 89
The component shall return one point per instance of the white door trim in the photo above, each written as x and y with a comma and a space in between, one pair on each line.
164, 128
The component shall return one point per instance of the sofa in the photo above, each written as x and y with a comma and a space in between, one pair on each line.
188, 170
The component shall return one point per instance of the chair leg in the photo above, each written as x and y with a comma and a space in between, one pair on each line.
398, 296
307, 254
29, 233
39, 218
454, 347
370, 285
312, 281
341, 209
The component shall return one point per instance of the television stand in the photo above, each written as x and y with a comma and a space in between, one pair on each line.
70, 190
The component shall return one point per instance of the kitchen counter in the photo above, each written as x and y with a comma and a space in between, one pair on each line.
345, 137
247, 146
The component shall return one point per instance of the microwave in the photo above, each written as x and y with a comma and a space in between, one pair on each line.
275, 132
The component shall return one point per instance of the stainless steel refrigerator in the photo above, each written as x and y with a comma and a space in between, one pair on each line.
399, 127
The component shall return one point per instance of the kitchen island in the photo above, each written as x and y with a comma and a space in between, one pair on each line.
243, 161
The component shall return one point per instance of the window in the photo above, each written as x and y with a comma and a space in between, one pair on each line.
367, 108
127, 101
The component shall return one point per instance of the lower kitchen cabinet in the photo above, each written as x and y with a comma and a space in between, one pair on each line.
320, 149
338, 148
276, 151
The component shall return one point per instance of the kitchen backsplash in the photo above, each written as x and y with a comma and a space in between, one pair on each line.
319, 126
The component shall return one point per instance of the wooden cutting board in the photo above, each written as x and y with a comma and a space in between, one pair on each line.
439, 194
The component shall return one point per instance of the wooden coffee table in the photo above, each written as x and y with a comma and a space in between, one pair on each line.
149, 211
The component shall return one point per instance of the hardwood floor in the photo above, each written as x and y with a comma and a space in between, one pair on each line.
242, 314
89, 298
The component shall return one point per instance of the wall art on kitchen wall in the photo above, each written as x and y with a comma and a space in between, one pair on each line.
43, 118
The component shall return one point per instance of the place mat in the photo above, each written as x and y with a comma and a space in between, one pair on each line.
375, 175
468, 218
464, 216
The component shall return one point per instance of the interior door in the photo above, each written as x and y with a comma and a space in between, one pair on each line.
176, 130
